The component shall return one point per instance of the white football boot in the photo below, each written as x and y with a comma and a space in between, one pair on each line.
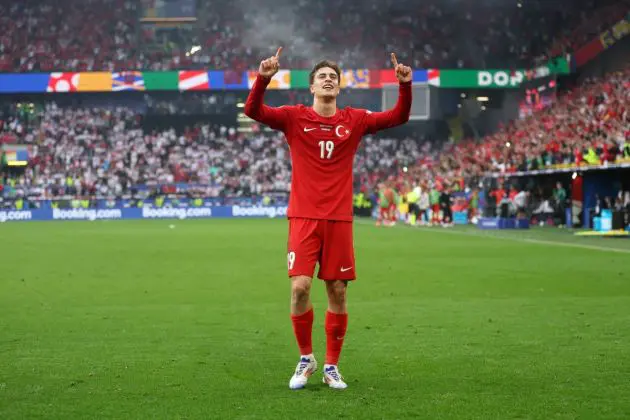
333, 378
305, 368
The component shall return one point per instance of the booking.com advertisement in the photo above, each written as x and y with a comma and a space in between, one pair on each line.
142, 213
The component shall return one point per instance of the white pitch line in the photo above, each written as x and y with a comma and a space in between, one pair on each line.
592, 247
527, 240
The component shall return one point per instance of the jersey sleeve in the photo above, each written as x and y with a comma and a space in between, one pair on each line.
276, 118
398, 115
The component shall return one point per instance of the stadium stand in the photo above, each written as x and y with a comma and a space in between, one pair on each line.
590, 124
106, 152
233, 35
49, 36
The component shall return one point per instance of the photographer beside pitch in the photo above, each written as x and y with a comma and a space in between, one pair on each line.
323, 141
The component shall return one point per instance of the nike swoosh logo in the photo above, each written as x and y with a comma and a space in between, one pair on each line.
306, 130
343, 269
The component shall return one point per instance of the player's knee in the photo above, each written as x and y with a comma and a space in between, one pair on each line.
300, 288
337, 292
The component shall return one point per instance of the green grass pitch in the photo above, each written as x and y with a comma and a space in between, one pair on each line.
136, 320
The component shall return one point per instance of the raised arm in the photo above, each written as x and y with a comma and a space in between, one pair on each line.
275, 118
399, 114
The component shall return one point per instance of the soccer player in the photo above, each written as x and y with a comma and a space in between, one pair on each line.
412, 194
383, 217
446, 205
323, 141
393, 197
434, 198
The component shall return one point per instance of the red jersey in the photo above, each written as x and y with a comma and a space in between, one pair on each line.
389, 195
323, 148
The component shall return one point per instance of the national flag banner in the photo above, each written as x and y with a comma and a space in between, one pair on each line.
24, 83
127, 80
420, 76
357, 79
604, 41
375, 78
588, 52
216, 79
63, 82
433, 77
227, 79
234, 79
387, 77
300, 79
251, 78
194, 80
161, 80
616, 33
281, 80
95, 81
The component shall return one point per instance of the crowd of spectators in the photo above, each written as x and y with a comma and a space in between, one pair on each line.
68, 36
588, 125
586, 24
106, 153
107, 35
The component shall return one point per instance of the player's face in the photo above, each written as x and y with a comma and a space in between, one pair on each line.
325, 83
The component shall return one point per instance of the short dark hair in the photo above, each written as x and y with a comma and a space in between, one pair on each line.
321, 65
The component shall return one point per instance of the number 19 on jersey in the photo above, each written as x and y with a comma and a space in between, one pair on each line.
326, 149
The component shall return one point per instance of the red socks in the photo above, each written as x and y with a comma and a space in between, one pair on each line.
303, 327
336, 325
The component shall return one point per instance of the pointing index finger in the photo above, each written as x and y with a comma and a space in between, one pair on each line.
278, 52
394, 61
